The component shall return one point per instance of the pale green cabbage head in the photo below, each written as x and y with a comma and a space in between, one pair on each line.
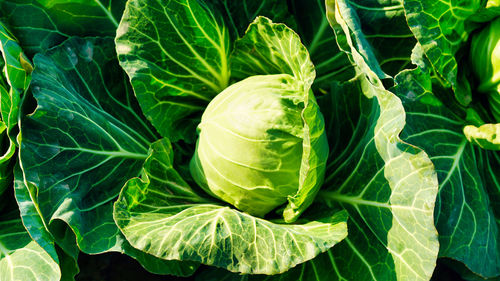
254, 147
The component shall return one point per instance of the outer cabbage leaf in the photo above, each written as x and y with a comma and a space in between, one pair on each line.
467, 211
15, 242
176, 55
87, 122
443, 29
395, 206
15, 81
161, 215
359, 40
42, 24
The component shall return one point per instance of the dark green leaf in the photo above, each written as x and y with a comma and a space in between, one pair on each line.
87, 122
315, 32
42, 24
383, 25
15, 79
238, 14
31, 217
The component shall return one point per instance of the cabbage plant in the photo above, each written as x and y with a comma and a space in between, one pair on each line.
249, 140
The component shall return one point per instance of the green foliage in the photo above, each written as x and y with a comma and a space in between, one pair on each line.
40, 25
250, 140
15, 79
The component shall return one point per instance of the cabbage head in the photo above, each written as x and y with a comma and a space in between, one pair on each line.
485, 58
254, 148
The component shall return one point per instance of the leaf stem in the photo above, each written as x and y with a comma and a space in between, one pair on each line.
107, 12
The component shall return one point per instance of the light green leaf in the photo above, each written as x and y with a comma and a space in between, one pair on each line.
176, 55
387, 186
271, 48
466, 210
22, 258
486, 136
161, 215
42, 24
17, 68
242, 118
